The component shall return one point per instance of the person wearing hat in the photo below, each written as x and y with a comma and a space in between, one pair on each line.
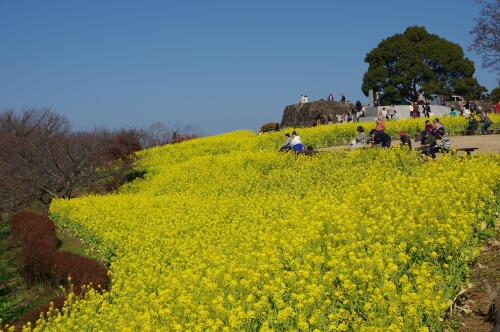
296, 142
405, 140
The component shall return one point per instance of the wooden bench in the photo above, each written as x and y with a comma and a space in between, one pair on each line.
466, 150
440, 150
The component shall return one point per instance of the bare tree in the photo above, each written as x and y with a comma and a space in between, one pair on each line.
486, 34
160, 134
42, 159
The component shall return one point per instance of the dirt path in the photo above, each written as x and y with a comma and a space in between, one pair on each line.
485, 143
472, 310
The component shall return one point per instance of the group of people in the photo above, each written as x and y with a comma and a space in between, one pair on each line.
433, 138
353, 116
376, 138
420, 108
474, 124
330, 98
469, 107
305, 99
388, 113
292, 143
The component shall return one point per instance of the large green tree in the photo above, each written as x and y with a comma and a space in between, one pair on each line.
404, 64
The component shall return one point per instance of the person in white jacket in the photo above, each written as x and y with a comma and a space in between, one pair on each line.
296, 142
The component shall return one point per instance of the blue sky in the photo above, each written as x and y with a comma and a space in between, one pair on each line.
219, 65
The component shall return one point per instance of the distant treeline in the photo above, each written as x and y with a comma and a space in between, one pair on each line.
42, 157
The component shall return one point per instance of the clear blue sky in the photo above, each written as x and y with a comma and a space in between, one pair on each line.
220, 65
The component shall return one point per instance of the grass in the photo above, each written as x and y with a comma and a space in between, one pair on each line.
15, 297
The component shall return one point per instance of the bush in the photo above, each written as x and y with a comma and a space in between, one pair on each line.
82, 271
135, 174
41, 262
36, 261
29, 229
34, 314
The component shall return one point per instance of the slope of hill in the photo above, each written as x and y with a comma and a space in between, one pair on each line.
224, 233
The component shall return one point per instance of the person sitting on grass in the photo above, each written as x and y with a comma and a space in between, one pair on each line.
380, 124
380, 138
428, 144
472, 128
428, 126
444, 144
405, 140
288, 143
360, 140
296, 142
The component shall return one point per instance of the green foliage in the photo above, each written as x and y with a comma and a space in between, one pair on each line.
134, 174
403, 64
495, 94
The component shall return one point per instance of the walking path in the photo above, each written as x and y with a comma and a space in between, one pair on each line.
485, 143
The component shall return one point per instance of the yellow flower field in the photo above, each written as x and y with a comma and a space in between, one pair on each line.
225, 234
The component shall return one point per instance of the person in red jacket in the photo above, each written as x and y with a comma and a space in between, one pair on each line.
497, 109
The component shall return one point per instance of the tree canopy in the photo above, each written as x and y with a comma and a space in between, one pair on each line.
486, 34
404, 64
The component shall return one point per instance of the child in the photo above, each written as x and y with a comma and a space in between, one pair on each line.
405, 140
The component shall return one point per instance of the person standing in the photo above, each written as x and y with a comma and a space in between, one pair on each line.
472, 107
427, 110
416, 110
330, 97
358, 108
383, 114
342, 99
376, 102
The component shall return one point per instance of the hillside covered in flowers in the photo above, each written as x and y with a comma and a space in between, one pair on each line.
226, 234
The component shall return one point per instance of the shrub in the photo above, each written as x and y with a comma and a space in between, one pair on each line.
36, 261
41, 262
82, 270
34, 314
29, 228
